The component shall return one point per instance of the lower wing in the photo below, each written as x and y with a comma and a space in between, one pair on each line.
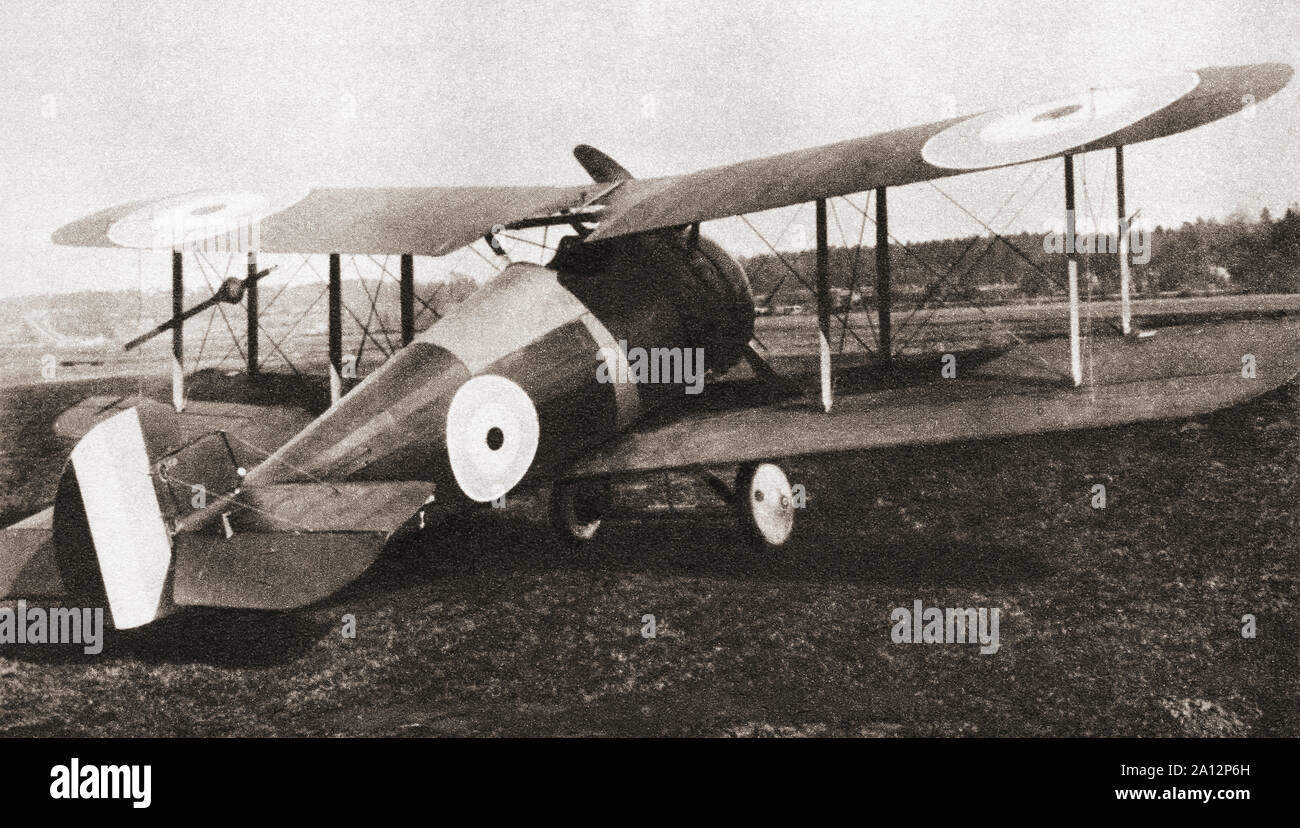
1180, 372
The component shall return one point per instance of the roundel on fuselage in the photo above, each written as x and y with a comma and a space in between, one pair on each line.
492, 436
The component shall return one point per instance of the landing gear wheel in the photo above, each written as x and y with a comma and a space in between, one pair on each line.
578, 508
764, 504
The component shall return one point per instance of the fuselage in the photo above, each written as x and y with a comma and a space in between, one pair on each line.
533, 370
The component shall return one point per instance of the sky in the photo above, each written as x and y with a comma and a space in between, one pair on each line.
112, 102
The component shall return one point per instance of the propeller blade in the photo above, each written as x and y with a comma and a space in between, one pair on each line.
171, 323
230, 292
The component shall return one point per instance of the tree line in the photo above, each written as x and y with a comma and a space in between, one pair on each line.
1238, 254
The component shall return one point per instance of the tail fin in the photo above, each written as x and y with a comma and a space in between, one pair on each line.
126, 531
107, 502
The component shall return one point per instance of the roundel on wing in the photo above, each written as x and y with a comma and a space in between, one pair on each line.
492, 436
1027, 133
200, 217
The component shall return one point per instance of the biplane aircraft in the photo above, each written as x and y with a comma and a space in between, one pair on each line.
506, 391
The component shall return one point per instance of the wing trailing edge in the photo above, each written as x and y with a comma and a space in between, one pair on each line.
1091, 120
434, 221
1180, 372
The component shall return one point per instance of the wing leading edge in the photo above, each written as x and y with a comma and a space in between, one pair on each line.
434, 221
1092, 120
423, 221
1182, 372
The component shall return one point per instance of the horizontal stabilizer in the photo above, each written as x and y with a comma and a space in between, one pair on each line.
268, 570
281, 546
329, 507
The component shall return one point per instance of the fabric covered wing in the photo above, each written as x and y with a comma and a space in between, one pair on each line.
427, 221
1091, 120
1181, 372
434, 221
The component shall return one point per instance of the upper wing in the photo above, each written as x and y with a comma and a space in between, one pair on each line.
427, 221
1091, 120
434, 221
1182, 372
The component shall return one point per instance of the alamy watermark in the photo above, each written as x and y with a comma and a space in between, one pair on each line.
1079, 235
680, 366
946, 625
77, 781
55, 625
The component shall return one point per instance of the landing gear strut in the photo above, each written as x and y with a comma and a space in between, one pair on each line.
762, 499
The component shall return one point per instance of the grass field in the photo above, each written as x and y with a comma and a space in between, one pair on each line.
1115, 622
